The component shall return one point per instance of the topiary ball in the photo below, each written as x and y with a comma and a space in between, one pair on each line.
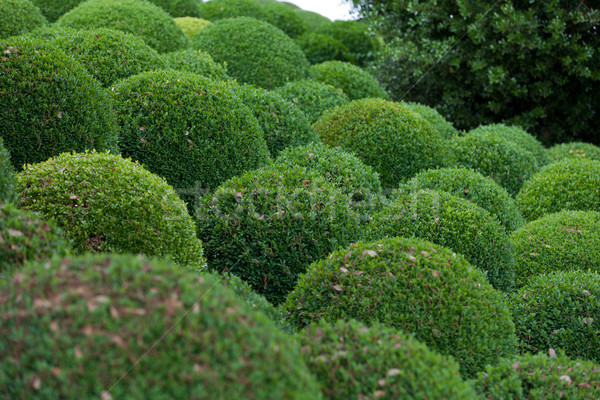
313, 20
314, 98
139, 17
571, 184
18, 17
396, 142
180, 8
284, 18
215, 10
444, 127
53, 9
351, 361
573, 150
105, 203
474, 187
318, 48
267, 226
197, 62
559, 310
255, 51
109, 326
50, 104
7, 176
190, 25
416, 287
362, 45
354, 81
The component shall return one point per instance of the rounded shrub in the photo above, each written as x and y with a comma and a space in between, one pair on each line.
267, 226
351, 361
354, 81
195, 61
314, 21
395, 141
179, 8
571, 184
572, 150
91, 319
416, 287
7, 175
355, 35
215, 10
190, 25
18, 17
559, 310
284, 18
444, 127
256, 52
139, 17
50, 104
314, 98
319, 48
105, 203
53, 9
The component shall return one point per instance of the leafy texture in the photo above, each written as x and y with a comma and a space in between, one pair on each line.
354, 81
444, 127
355, 35
53, 9
190, 25
215, 10
18, 17
313, 20
7, 176
179, 8
284, 18
572, 150
318, 48
197, 62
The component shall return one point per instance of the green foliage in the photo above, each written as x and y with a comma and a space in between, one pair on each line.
7, 175
215, 10
571, 184
559, 310
18, 17
314, 21
105, 203
179, 8
318, 48
352, 361
314, 98
395, 141
474, 187
190, 25
267, 226
572, 150
139, 17
444, 127
256, 52
355, 35
196, 61
567, 240
284, 18
50, 104
353, 80
90, 318
416, 287
53, 9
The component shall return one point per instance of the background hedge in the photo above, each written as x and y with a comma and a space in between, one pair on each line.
7, 176
197, 62
571, 150
354, 81
18, 17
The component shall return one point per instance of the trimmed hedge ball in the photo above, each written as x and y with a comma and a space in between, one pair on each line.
7, 176
197, 62
190, 25
215, 10
284, 18
571, 184
559, 152
474, 187
414, 286
18, 17
355, 35
559, 310
395, 141
354, 81
91, 319
319, 48
314, 98
567, 240
53, 9
139, 17
267, 226
50, 104
352, 361
313, 20
105, 203
255, 51
179, 8
444, 127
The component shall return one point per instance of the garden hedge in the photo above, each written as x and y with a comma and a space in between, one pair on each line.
18, 17
444, 127
559, 152
215, 10
354, 81
362, 45
7, 176
313, 20
180, 8
197, 62
53, 9
190, 25
284, 18
318, 48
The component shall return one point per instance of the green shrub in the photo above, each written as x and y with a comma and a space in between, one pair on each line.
395, 141
571, 150
7, 175
566, 240
503, 161
539, 377
352, 361
446, 129
105, 203
314, 98
193, 131
215, 10
197, 62
571, 184
355, 35
179, 8
354, 81
449, 221
50, 104
267, 226
474, 187
416, 287
53, 9
139, 17
284, 18
559, 310
18, 17
319, 48
314, 21
25, 237
190, 25
124, 327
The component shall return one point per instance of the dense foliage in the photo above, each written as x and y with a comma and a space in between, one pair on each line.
53, 9
354, 81
314, 21
215, 10
197, 62
18, 17
314, 98
190, 25
7, 175
318, 48
576, 149
179, 8
444, 127
355, 35
284, 18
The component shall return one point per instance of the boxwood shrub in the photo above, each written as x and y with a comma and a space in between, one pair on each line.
354, 81
351, 361
318, 48
18, 17
50, 104
570, 184
284, 18
139, 17
53, 9
267, 226
105, 203
196, 61
559, 152
444, 127
190, 25
395, 141
415, 286
179, 8
559, 310
313, 20
362, 45
215, 10
113, 326
7, 175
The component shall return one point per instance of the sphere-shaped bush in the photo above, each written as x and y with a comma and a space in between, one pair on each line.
53, 9
215, 10
195, 61
313, 20
256, 52
559, 310
190, 25
267, 226
571, 184
572, 150
89, 319
354, 81
352, 361
284, 18
179, 8
105, 203
140, 17
18, 17
414, 286
355, 35
444, 127
318, 48
7, 175
314, 98
396, 142
50, 104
